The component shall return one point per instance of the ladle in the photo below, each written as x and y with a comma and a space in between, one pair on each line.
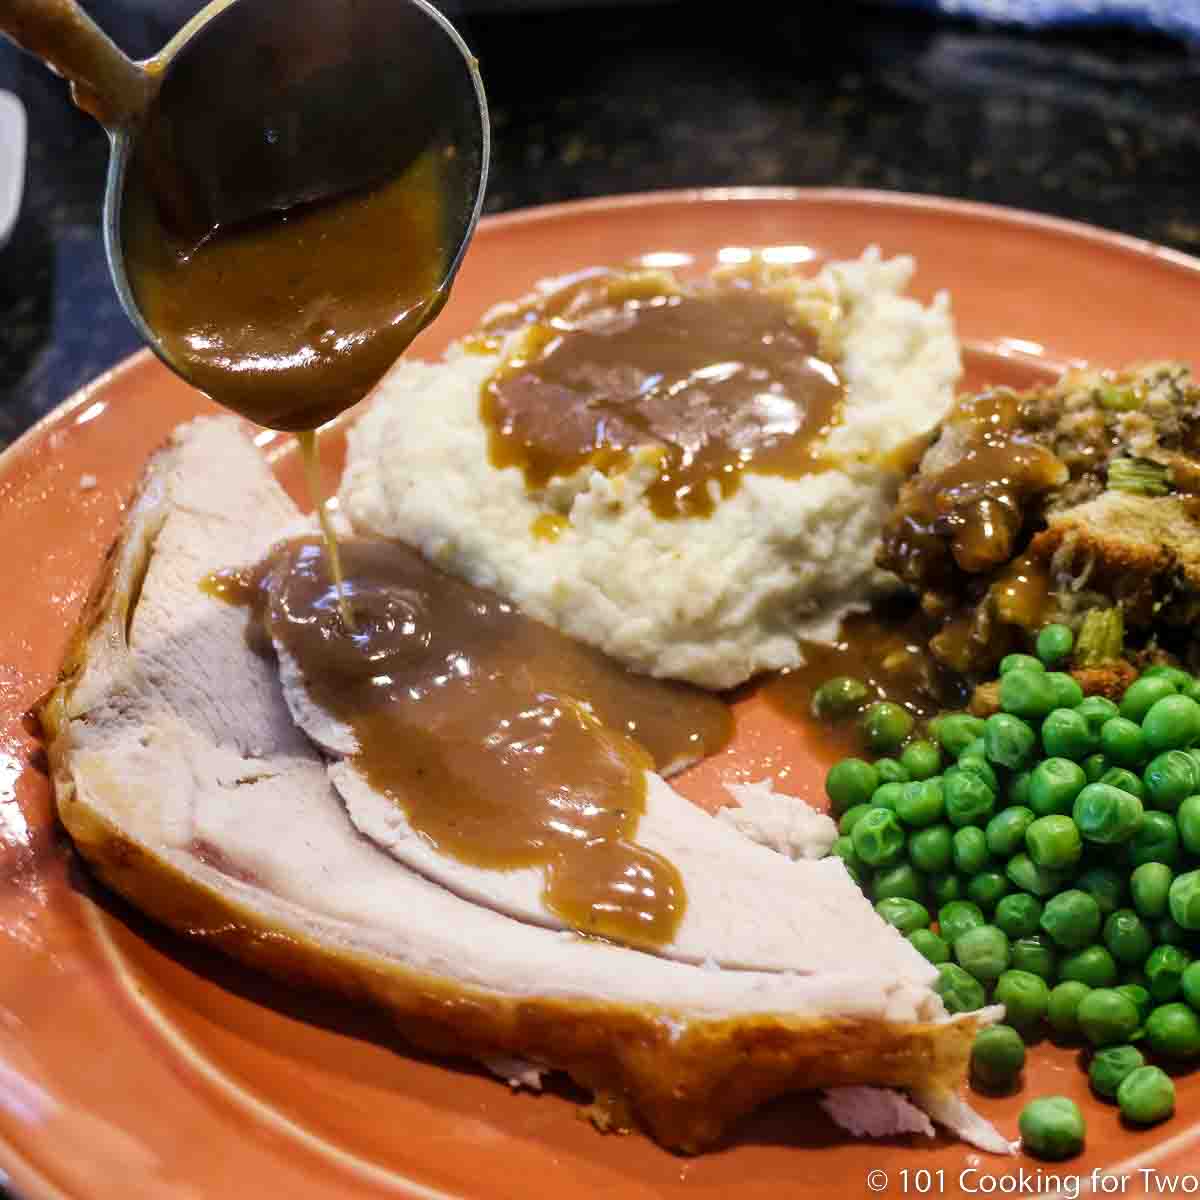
257, 107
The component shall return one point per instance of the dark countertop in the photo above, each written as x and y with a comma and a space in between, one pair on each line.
1099, 126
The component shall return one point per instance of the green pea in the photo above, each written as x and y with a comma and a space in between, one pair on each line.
1052, 1127
1187, 821
1172, 723
1164, 969
1026, 694
1019, 662
1106, 814
997, 1056
1121, 742
976, 749
851, 817
1024, 873
843, 848
921, 759
886, 726
1054, 643
944, 888
1126, 780
1096, 711
931, 849
987, 889
1189, 984
1092, 965
903, 914
1141, 1000
1156, 841
1146, 1096
1053, 785
1143, 694
970, 850
1018, 915
899, 882
1184, 900
1005, 832
968, 799
1054, 841
974, 763
1106, 1017
1018, 789
959, 991
1109, 1068
956, 731
1181, 679
878, 838
920, 803
1062, 1007
1127, 937
1036, 955
891, 770
928, 943
959, 917
1066, 734
1072, 919
1106, 886
1170, 778
983, 952
849, 782
840, 697
1064, 691
1150, 886
1173, 1030
1008, 741
886, 795
1094, 767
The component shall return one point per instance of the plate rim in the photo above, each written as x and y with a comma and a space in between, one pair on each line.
19, 1172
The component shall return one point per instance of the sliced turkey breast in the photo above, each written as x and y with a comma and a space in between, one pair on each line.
184, 781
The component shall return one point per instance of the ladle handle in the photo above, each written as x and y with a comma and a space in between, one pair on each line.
104, 82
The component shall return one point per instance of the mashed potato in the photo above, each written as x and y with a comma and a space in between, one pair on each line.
715, 599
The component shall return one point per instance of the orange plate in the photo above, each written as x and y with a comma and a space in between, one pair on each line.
135, 1064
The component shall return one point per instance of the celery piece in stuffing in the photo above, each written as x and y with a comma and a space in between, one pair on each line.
1101, 638
1119, 399
1138, 476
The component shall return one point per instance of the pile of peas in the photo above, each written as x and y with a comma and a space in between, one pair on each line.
1047, 859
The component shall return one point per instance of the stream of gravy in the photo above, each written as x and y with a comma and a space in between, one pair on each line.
292, 318
719, 380
506, 743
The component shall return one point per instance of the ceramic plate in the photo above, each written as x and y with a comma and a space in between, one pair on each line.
136, 1064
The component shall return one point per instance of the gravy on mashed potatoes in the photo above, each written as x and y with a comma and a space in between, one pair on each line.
686, 547
716, 380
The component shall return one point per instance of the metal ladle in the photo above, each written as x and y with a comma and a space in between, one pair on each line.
267, 104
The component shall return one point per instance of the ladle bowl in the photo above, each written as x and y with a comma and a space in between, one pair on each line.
256, 106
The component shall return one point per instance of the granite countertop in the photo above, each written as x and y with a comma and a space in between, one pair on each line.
1098, 126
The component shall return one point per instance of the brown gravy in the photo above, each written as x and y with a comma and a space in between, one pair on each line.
888, 650
973, 506
291, 319
719, 379
506, 743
